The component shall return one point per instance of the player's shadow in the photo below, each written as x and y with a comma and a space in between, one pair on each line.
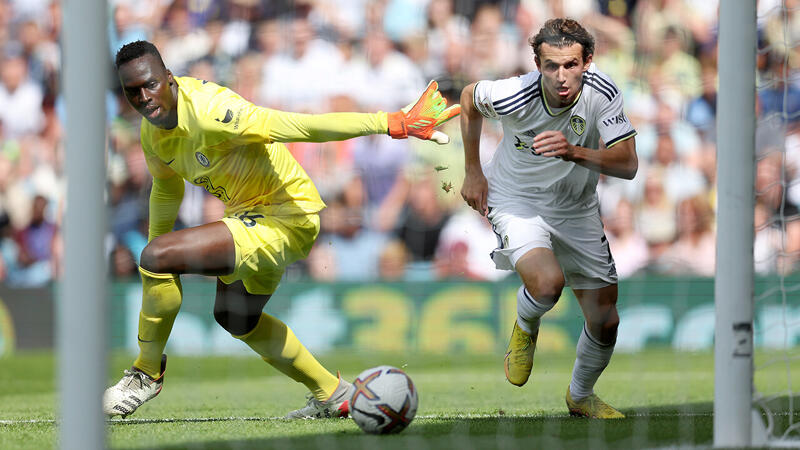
659, 426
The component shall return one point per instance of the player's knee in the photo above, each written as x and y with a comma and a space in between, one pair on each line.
606, 328
236, 324
547, 289
154, 259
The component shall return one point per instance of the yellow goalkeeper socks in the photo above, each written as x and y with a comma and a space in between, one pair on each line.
161, 300
277, 345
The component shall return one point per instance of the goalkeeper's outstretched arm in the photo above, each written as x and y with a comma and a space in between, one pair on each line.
417, 119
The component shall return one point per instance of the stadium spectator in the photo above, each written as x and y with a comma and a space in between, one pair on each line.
298, 77
628, 245
246, 76
493, 45
655, 215
768, 251
36, 250
773, 179
702, 110
445, 30
353, 248
185, 42
20, 99
678, 72
463, 245
123, 265
392, 261
421, 221
681, 180
779, 95
694, 251
125, 26
384, 78
5, 241
379, 163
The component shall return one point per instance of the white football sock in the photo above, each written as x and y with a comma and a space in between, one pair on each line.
592, 358
529, 311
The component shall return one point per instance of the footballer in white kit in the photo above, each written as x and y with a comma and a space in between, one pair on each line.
563, 125
527, 187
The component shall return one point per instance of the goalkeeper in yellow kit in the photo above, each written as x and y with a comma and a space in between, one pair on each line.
206, 134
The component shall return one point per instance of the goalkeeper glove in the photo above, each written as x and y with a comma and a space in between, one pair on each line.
420, 118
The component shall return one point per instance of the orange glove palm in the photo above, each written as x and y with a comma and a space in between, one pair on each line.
420, 118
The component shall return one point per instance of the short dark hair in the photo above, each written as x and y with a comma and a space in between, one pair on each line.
563, 32
136, 49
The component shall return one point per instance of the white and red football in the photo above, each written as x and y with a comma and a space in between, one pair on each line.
384, 401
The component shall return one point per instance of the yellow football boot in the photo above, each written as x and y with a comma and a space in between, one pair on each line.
592, 407
519, 356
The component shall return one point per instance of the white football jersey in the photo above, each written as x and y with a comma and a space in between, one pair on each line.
553, 187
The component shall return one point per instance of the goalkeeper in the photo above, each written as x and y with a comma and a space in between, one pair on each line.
206, 134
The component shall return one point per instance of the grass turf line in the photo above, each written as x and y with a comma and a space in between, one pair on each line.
465, 402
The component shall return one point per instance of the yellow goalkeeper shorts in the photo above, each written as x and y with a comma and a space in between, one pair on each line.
266, 245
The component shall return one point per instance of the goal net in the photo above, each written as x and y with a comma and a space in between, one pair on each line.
777, 223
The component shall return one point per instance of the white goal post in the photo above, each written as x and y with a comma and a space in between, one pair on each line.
81, 306
733, 287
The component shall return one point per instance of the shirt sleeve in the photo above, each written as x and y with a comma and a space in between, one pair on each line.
232, 118
166, 194
165, 200
612, 122
482, 99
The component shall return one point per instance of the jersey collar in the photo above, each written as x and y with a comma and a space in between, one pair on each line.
547, 107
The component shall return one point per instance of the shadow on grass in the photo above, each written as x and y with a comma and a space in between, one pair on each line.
663, 426
654, 427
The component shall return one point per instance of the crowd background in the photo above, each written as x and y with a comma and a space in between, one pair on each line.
394, 209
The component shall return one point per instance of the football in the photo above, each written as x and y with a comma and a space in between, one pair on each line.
384, 401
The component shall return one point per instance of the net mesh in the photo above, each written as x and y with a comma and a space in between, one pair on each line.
777, 220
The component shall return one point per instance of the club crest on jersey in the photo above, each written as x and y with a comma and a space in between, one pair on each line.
201, 158
577, 124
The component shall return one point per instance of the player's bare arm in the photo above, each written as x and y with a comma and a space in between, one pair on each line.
475, 188
619, 161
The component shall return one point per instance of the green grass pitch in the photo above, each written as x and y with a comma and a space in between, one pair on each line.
465, 403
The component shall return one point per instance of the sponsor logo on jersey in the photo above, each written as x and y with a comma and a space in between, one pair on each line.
228, 117
216, 191
520, 144
616, 120
529, 133
236, 122
577, 124
201, 158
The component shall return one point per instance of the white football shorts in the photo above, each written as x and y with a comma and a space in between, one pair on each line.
579, 244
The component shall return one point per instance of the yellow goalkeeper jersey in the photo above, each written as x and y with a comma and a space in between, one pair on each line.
233, 149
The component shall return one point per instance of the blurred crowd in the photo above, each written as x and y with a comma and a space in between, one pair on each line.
394, 209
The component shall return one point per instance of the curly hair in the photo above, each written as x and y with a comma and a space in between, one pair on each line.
563, 32
136, 49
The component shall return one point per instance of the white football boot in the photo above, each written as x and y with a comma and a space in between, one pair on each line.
337, 405
135, 388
